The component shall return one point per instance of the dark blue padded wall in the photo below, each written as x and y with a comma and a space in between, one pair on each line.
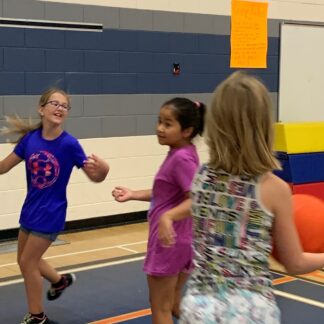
118, 61
301, 168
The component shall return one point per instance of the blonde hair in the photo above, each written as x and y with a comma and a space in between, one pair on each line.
240, 128
20, 127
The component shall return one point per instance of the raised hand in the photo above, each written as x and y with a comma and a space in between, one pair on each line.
96, 168
122, 194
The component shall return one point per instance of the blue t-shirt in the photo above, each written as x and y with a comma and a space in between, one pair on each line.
49, 164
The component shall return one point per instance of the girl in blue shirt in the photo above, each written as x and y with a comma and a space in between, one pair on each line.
50, 153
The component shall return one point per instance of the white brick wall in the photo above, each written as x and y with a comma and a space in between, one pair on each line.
133, 161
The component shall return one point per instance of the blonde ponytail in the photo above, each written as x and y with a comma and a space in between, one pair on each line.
18, 126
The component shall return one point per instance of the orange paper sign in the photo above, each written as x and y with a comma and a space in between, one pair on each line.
249, 34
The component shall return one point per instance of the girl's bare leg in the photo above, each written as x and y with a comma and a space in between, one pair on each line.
30, 251
162, 293
182, 279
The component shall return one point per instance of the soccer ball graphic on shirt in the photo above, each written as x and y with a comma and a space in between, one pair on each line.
44, 169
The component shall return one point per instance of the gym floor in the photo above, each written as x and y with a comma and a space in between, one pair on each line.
111, 287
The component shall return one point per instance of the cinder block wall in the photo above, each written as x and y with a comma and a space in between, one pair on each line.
118, 78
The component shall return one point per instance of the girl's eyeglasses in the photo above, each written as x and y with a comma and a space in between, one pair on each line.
57, 105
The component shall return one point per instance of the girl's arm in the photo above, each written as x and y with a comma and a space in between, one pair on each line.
122, 194
179, 212
285, 234
96, 168
9, 162
166, 232
185, 169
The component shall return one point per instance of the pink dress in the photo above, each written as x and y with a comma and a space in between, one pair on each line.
171, 185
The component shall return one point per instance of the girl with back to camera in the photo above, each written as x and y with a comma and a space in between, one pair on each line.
238, 208
180, 120
50, 154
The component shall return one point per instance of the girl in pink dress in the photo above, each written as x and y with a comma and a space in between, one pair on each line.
168, 267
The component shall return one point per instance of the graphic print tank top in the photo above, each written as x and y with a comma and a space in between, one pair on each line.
232, 234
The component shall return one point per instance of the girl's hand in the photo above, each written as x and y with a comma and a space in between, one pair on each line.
122, 194
166, 233
96, 168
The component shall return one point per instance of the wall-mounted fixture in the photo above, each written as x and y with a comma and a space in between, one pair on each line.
176, 69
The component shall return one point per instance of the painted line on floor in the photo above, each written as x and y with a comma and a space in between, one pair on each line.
282, 280
304, 300
147, 311
124, 317
129, 250
83, 268
307, 277
121, 246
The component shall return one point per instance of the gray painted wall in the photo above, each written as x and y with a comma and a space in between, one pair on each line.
95, 116
98, 116
121, 18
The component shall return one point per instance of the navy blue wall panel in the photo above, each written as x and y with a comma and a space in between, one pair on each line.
23, 59
12, 83
43, 38
35, 83
180, 84
101, 61
119, 61
207, 44
153, 83
12, 37
136, 62
147, 42
83, 83
62, 60
121, 40
163, 62
183, 43
83, 40
273, 46
1, 59
119, 83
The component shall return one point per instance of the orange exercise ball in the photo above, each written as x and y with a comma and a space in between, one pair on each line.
308, 212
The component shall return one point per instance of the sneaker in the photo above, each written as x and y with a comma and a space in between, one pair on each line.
29, 319
55, 292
